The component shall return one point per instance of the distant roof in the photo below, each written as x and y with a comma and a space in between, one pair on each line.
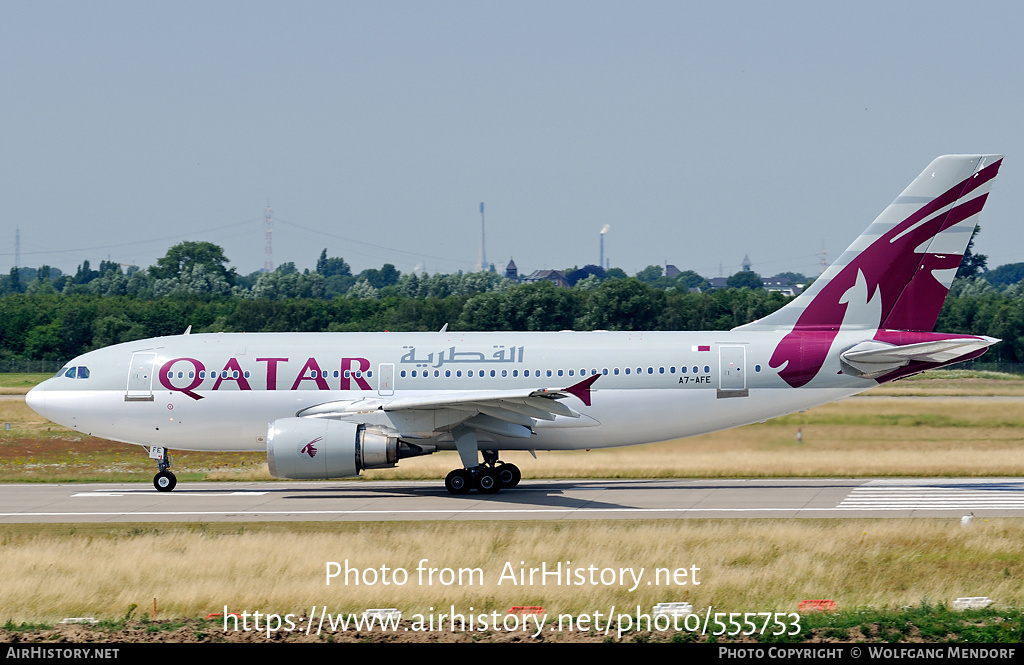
549, 275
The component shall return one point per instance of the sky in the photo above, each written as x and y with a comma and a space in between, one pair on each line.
699, 132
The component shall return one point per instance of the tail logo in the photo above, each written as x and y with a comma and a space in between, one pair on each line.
893, 282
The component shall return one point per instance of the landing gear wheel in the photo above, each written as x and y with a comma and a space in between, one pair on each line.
164, 481
487, 482
509, 475
457, 482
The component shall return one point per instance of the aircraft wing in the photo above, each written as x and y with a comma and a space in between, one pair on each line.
506, 412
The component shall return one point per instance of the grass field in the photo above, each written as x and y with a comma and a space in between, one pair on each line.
741, 565
19, 384
946, 424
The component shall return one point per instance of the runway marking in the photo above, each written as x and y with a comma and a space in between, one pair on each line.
138, 492
954, 495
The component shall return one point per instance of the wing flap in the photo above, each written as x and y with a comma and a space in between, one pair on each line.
505, 412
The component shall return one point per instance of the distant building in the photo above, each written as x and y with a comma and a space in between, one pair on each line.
780, 284
671, 271
546, 275
511, 272
747, 265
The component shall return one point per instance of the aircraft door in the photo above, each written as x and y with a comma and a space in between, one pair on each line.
140, 377
386, 380
732, 363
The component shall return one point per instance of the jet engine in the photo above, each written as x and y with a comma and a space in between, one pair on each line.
324, 448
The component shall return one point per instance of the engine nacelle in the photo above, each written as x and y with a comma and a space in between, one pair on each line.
323, 448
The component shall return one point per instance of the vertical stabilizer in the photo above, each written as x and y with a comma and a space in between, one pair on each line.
897, 273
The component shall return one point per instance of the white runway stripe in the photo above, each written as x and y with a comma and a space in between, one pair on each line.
922, 495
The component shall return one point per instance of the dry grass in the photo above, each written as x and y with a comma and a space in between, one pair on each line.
745, 565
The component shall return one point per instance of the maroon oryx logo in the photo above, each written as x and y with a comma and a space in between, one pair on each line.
309, 448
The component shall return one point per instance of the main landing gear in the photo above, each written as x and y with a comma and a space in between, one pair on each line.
164, 480
487, 478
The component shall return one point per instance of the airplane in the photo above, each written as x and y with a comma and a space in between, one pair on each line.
329, 405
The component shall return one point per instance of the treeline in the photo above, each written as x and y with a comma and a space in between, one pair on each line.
59, 327
45, 315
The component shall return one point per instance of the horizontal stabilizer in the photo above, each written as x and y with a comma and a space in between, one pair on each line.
872, 359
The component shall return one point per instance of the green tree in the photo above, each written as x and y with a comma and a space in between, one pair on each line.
972, 264
331, 266
185, 256
744, 279
688, 279
388, 275
1005, 275
650, 274
621, 304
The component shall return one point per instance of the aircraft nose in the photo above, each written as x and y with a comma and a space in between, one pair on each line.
36, 400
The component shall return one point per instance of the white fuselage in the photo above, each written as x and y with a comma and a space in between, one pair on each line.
221, 391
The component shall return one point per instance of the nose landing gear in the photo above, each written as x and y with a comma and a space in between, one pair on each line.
164, 480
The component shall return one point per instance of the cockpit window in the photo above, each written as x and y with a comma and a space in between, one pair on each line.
70, 373
74, 372
83, 372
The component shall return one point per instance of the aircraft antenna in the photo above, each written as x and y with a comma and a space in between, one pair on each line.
268, 233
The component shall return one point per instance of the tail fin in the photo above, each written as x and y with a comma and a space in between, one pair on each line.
906, 259
897, 273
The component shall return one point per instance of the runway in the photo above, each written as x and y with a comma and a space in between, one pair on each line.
531, 500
